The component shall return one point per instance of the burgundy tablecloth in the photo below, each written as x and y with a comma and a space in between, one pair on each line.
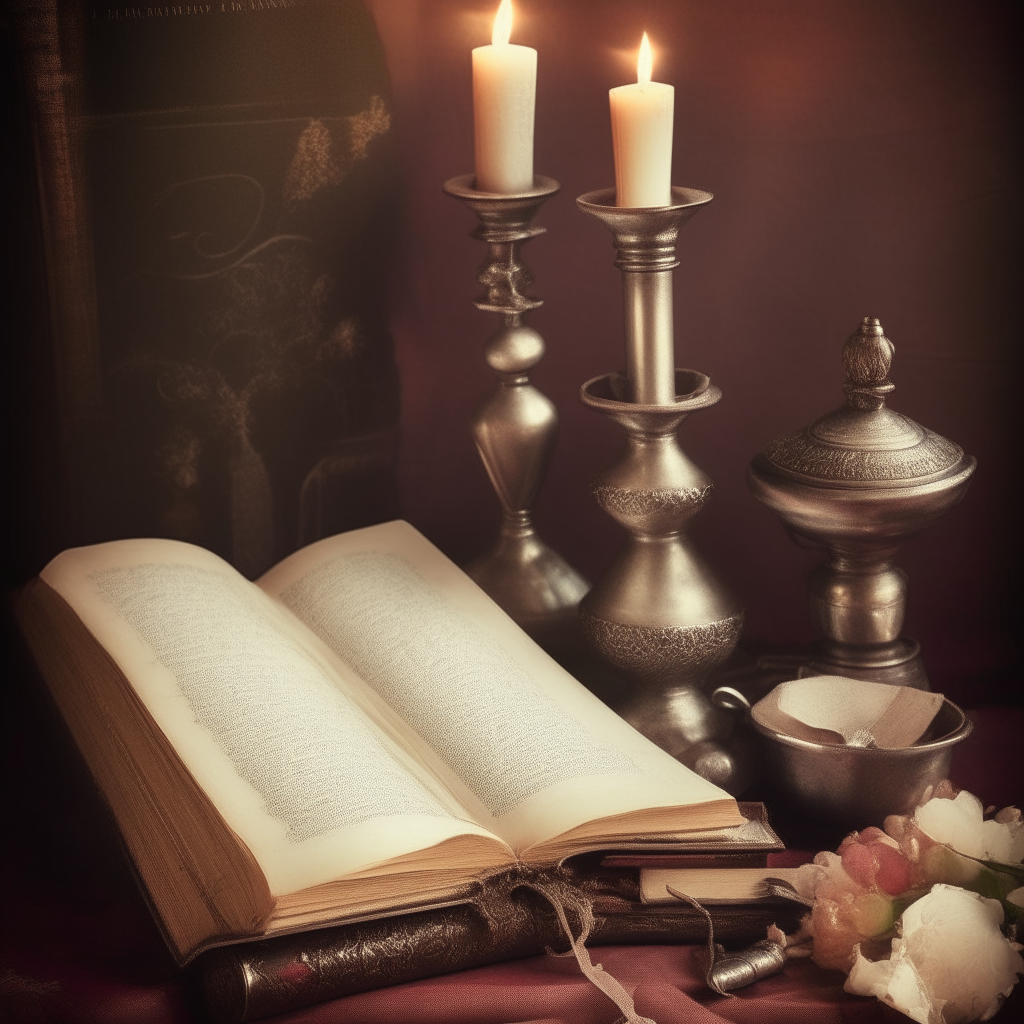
79, 946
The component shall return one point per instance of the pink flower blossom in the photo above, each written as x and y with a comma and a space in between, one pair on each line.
875, 861
854, 896
863, 890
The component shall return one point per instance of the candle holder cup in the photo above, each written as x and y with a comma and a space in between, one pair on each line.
660, 614
515, 427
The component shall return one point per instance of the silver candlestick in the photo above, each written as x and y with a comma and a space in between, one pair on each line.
659, 613
515, 427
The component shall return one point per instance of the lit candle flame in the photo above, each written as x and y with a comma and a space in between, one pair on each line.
644, 62
502, 31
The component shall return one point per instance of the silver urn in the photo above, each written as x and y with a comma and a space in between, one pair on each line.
859, 482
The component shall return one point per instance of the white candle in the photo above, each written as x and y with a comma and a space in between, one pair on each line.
504, 89
642, 137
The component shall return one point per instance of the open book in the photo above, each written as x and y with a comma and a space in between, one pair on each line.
361, 732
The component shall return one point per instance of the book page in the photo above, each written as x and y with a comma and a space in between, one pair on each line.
723, 884
296, 768
520, 742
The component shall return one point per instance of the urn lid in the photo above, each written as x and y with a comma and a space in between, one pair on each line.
865, 444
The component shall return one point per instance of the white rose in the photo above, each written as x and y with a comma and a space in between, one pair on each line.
950, 963
960, 824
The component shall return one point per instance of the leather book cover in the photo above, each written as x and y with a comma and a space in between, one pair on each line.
217, 194
508, 920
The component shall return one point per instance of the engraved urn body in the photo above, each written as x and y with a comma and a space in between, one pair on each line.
859, 482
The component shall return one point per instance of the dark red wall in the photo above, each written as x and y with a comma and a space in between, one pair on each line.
860, 153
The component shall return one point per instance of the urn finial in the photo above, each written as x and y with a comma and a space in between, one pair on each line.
867, 356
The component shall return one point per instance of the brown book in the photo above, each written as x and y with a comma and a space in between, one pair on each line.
747, 846
216, 188
717, 885
505, 921
360, 733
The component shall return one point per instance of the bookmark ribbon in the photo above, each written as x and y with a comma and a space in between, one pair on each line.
595, 973
562, 896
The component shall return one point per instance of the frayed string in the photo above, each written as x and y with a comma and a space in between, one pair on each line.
714, 950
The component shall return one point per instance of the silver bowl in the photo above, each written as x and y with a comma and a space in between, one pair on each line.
856, 786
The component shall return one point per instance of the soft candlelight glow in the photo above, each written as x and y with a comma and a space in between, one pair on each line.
642, 136
502, 31
504, 87
644, 60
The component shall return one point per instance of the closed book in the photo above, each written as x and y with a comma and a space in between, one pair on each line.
746, 846
216, 189
721, 885
507, 919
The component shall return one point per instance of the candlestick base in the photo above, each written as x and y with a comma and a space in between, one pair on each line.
515, 427
532, 582
659, 614
658, 611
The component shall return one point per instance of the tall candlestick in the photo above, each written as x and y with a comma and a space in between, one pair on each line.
642, 137
504, 90
515, 427
659, 613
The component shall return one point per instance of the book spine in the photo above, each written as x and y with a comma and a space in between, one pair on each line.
247, 982
686, 860
214, 217
49, 37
